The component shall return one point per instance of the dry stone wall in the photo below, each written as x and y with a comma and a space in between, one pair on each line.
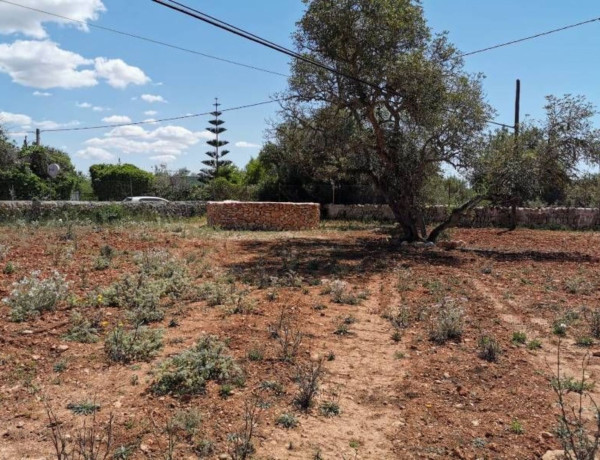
246, 215
551, 218
97, 210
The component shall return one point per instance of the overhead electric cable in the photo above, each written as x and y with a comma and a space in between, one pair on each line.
531, 37
147, 39
150, 122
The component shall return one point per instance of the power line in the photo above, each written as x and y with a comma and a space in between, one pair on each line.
531, 37
147, 39
150, 122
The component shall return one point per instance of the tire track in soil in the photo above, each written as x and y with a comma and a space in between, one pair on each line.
364, 367
546, 358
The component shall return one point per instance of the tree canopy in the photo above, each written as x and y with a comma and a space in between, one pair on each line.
400, 97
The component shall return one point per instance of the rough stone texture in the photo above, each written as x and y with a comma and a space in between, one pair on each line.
246, 215
567, 218
98, 210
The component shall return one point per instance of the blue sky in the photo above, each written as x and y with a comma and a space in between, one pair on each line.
55, 74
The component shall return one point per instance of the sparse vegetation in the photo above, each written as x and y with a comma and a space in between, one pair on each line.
140, 344
308, 379
489, 348
448, 325
287, 420
188, 372
33, 295
519, 338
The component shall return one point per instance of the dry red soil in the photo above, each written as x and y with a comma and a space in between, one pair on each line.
400, 397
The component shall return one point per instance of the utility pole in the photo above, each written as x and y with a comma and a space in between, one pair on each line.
37, 136
517, 109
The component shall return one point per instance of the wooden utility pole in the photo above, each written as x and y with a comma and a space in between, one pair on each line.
517, 109
37, 136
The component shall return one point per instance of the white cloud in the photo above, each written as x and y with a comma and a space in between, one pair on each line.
84, 105
119, 74
150, 113
15, 119
246, 145
117, 119
20, 20
25, 122
41, 94
43, 65
165, 141
94, 153
99, 109
164, 158
151, 98
54, 125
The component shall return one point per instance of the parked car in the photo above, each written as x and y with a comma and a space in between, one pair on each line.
144, 199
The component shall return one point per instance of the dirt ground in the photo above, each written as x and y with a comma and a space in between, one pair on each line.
400, 395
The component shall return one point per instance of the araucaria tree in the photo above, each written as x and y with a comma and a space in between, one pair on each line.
400, 92
216, 155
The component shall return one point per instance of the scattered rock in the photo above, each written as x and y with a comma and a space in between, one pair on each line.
224, 457
144, 448
596, 353
546, 435
35, 357
62, 348
446, 375
27, 332
554, 455
20, 424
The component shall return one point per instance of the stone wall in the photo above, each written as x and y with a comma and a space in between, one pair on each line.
246, 215
97, 210
552, 218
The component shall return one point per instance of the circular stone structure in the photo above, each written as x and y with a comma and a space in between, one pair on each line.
253, 215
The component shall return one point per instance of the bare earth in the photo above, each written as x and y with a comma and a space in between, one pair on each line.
399, 399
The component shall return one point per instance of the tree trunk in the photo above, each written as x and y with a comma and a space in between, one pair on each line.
408, 221
513, 217
454, 217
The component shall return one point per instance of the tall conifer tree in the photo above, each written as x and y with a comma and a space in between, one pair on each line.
215, 161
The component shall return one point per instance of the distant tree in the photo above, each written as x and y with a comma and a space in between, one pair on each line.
8, 152
174, 185
545, 158
408, 104
216, 155
115, 182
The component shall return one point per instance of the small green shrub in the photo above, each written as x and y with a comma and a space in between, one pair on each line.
584, 341
225, 390
516, 427
489, 348
60, 366
9, 268
571, 385
308, 379
101, 263
188, 372
342, 329
188, 421
275, 387
31, 296
140, 344
519, 338
82, 329
255, 354
559, 327
448, 325
534, 344
83, 407
287, 421
330, 409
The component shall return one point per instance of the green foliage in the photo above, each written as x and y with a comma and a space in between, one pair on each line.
188, 372
287, 420
329, 408
82, 329
519, 338
83, 407
489, 348
33, 295
140, 344
308, 378
571, 385
115, 182
516, 426
534, 344
448, 325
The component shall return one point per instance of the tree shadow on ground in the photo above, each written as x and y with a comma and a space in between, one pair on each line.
316, 258
540, 256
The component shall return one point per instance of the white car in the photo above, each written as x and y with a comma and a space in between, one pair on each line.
144, 199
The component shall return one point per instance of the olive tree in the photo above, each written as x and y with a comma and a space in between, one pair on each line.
402, 90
